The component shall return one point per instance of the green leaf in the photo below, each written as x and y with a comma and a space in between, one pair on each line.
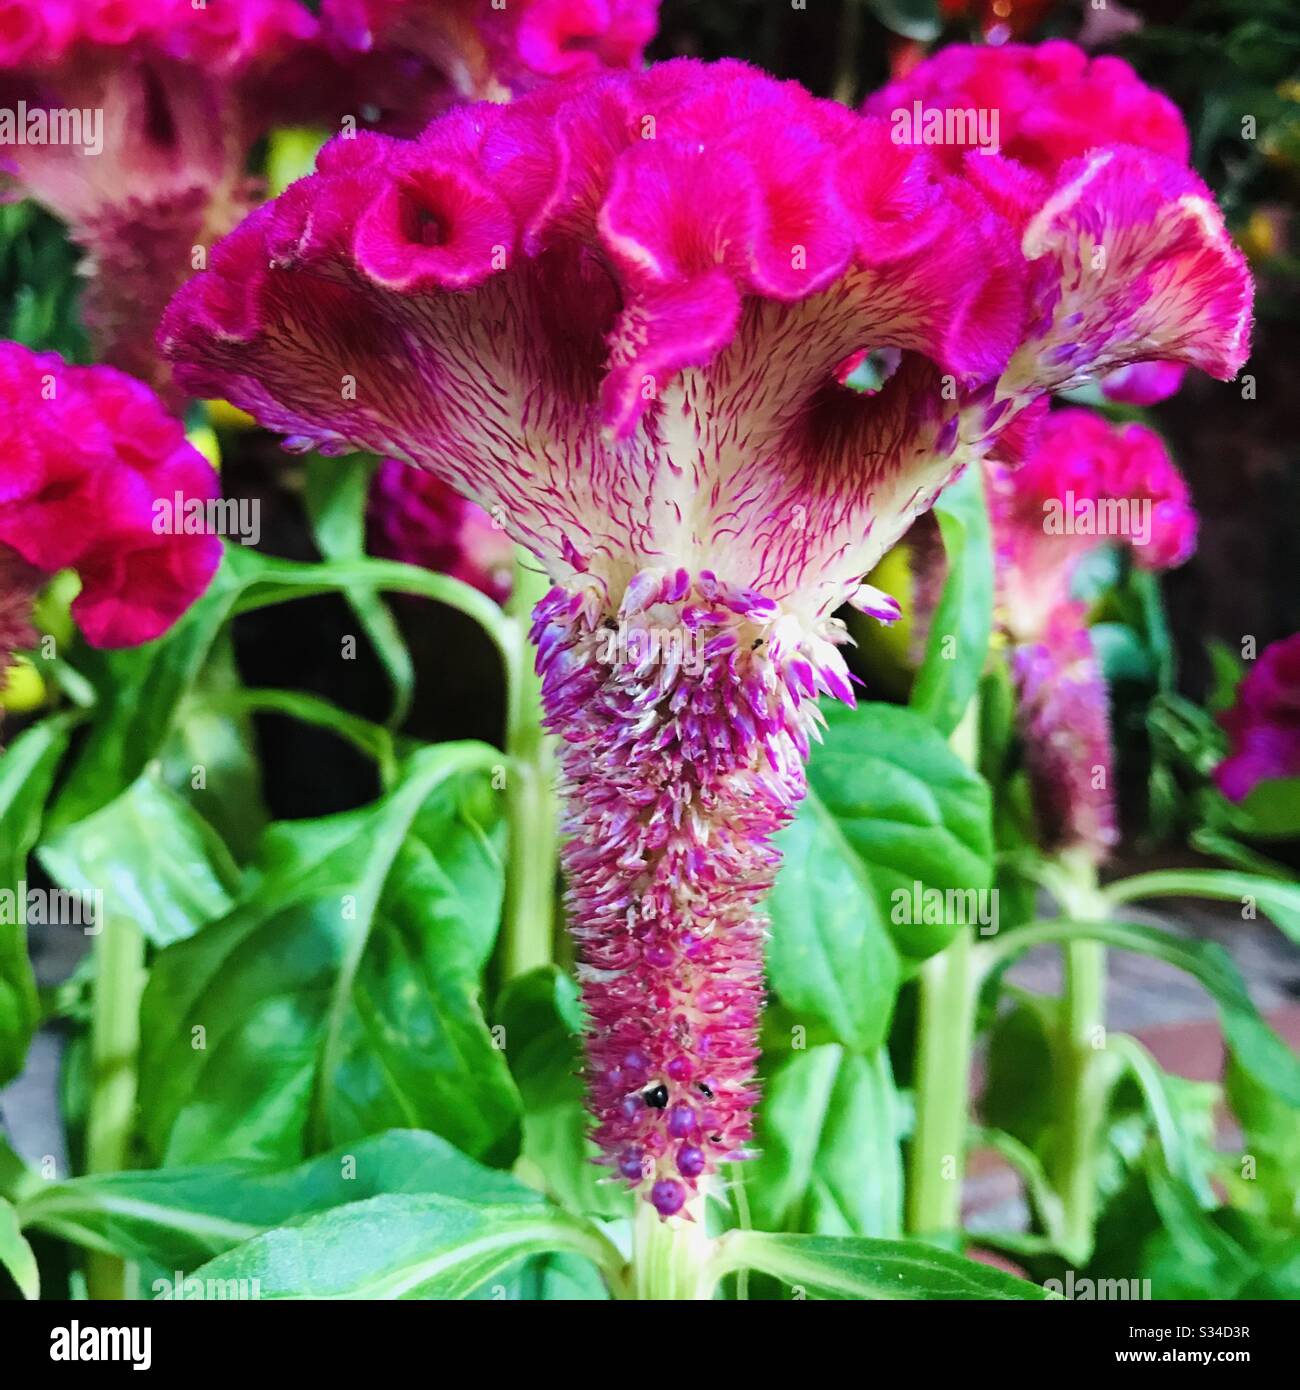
16, 1255
1278, 899
830, 957
27, 770
336, 495
1272, 809
157, 862
1271, 1142
842, 1267
179, 1217
958, 641
915, 815
340, 996
212, 732
404, 1247
542, 1021
828, 1138
1259, 1050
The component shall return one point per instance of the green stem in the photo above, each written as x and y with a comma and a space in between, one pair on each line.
945, 1037
528, 928
114, 1047
1081, 1035
945, 1030
672, 1261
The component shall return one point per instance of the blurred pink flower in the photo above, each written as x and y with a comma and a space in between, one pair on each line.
149, 109
86, 453
1264, 724
1084, 483
416, 518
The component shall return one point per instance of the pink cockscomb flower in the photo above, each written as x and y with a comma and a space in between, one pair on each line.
1085, 483
1041, 105
90, 470
617, 313
412, 58
1263, 724
133, 121
413, 516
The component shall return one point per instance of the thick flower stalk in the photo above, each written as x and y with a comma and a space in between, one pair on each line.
617, 313
413, 58
415, 517
87, 455
133, 122
1085, 483
1263, 724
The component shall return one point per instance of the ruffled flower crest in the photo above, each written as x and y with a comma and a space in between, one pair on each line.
87, 454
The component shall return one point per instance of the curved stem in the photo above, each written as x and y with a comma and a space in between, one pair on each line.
114, 1049
528, 927
945, 1037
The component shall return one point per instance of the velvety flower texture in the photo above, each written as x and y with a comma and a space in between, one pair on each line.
619, 310
415, 517
1052, 103
85, 452
420, 55
181, 92
1264, 723
1084, 483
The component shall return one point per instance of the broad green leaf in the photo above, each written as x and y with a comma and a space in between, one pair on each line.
27, 769
210, 756
854, 1267
404, 1247
1272, 810
915, 815
958, 641
336, 495
179, 1217
541, 1021
1257, 1048
828, 1141
157, 862
16, 1255
340, 996
1264, 1177
830, 957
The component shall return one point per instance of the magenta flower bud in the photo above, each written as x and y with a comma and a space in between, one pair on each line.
1263, 724
616, 313
416, 518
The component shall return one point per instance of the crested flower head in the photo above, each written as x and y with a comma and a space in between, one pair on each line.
445, 51
88, 454
1050, 102
1084, 483
137, 117
618, 313
1263, 724
415, 517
